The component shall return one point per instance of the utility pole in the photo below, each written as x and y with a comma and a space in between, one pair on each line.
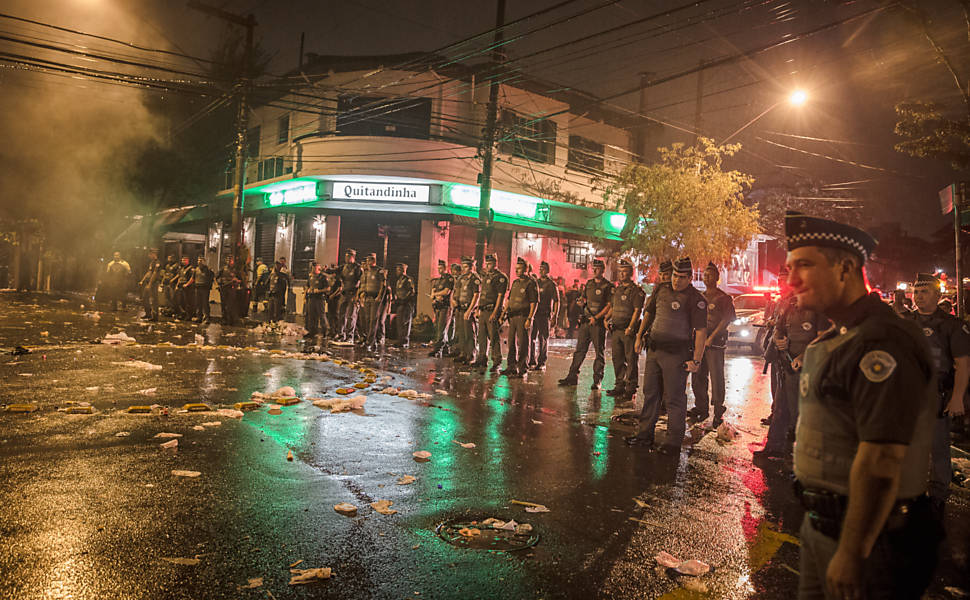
959, 201
242, 116
484, 206
642, 132
699, 103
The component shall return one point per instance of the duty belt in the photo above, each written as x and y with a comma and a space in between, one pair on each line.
669, 346
826, 510
487, 307
519, 313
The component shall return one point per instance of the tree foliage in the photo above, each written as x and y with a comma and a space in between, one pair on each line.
772, 204
686, 204
929, 133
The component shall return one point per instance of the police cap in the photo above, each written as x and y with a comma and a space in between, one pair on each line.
803, 230
372, 255
666, 266
401, 265
521, 261
598, 262
544, 265
350, 251
924, 280
442, 263
491, 258
683, 265
467, 260
624, 263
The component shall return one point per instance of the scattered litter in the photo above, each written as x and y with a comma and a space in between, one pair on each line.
139, 410
212, 424
696, 585
422, 456
44, 334
469, 532
122, 434
252, 584
507, 526
383, 507
684, 567
164, 435
727, 433
113, 339
301, 576
442, 392
391, 391
249, 405
296, 564
200, 340
408, 393
170, 444
198, 428
195, 407
538, 508
534, 422
148, 391
463, 445
523, 529
139, 364
191, 562
641, 503
406, 480
274, 409
285, 392
92, 316
346, 509
180, 473
643, 522
345, 391
289, 455
232, 414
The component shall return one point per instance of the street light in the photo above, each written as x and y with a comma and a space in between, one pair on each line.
796, 98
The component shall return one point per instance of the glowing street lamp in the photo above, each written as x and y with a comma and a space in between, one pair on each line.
796, 98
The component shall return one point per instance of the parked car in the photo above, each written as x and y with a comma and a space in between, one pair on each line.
748, 328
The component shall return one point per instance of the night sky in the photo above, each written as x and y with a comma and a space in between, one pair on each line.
854, 74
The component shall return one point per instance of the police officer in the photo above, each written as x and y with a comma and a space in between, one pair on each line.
949, 340
279, 283
720, 314
170, 276
116, 276
595, 300
149, 286
202, 277
370, 296
494, 286
349, 273
523, 300
316, 315
627, 303
547, 309
865, 427
465, 302
455, 270
794, 330
403, 304
183, 291
228, 280
574, 312
666, 270
442, 287
677, 318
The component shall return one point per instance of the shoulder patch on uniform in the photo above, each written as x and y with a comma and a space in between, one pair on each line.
928, 332
701, 304
806, 326
675, 305
877, 365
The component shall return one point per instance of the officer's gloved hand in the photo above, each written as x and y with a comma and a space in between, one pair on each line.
781, 343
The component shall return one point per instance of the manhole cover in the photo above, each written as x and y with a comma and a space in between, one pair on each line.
491, 537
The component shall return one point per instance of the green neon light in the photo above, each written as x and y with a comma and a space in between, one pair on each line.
503, 203
300, 194
614, 222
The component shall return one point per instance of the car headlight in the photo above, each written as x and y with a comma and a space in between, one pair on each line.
741, 321
744, 333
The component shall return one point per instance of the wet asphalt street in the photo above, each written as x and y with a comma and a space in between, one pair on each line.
86, 514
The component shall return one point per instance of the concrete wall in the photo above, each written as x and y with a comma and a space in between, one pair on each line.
434, 246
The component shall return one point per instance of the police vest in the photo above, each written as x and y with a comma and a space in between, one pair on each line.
316, 284
627, 297
932, 327
185, 274
671, 322
826, 441
203, 277
548, 294
519, 299
597, 295
801, 327
350, 275
445, 282
403, 288
371, 282
469, 285
494, 285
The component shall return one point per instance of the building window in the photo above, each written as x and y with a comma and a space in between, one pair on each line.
577, 254
283, 129
528, 137
252, 142
270, 168
585, 155
375, 116
304, 246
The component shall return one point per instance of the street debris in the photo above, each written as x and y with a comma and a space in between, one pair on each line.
442, 392
406, 480
93, 316
232, 414
383, 507
191, 562
196, 407
463, 445
171, 444
289, 455
249, 405
212, 423
252, 584
274, 409
139, 410
727, 433
165, 435
421, 456
531, 507
114, 339
469, 532
200, 340
296, 564
139, 364
122, 434
346, 509
408, 394
148, 391
684, 567
391, 391
339, 405
181, 473
198, 428
641, 503
301, 576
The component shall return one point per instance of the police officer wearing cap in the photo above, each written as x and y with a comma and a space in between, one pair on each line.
666, 270
442, 287
867, 401
494, 286
403, 304
677, 318
624, 317
547, 309
949, 340
465, 302
149, 286
720, 314
523, 300
372, 289
316, 315
349, 274
595, 300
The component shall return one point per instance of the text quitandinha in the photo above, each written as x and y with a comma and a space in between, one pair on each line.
379, 192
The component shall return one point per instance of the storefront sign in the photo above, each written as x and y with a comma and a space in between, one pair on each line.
306, 192
380, 192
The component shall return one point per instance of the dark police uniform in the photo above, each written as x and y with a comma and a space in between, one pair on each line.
149, 289
949, 339
202, 278
628, 300
523, 297
800, 326
184, 295
349, 275
316, 315
548, 298
279, 283
404, 307
466, 287
228, 286
494, 286
442, 310
170, 278
675, 315
596, 295
372, 283
720, 308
